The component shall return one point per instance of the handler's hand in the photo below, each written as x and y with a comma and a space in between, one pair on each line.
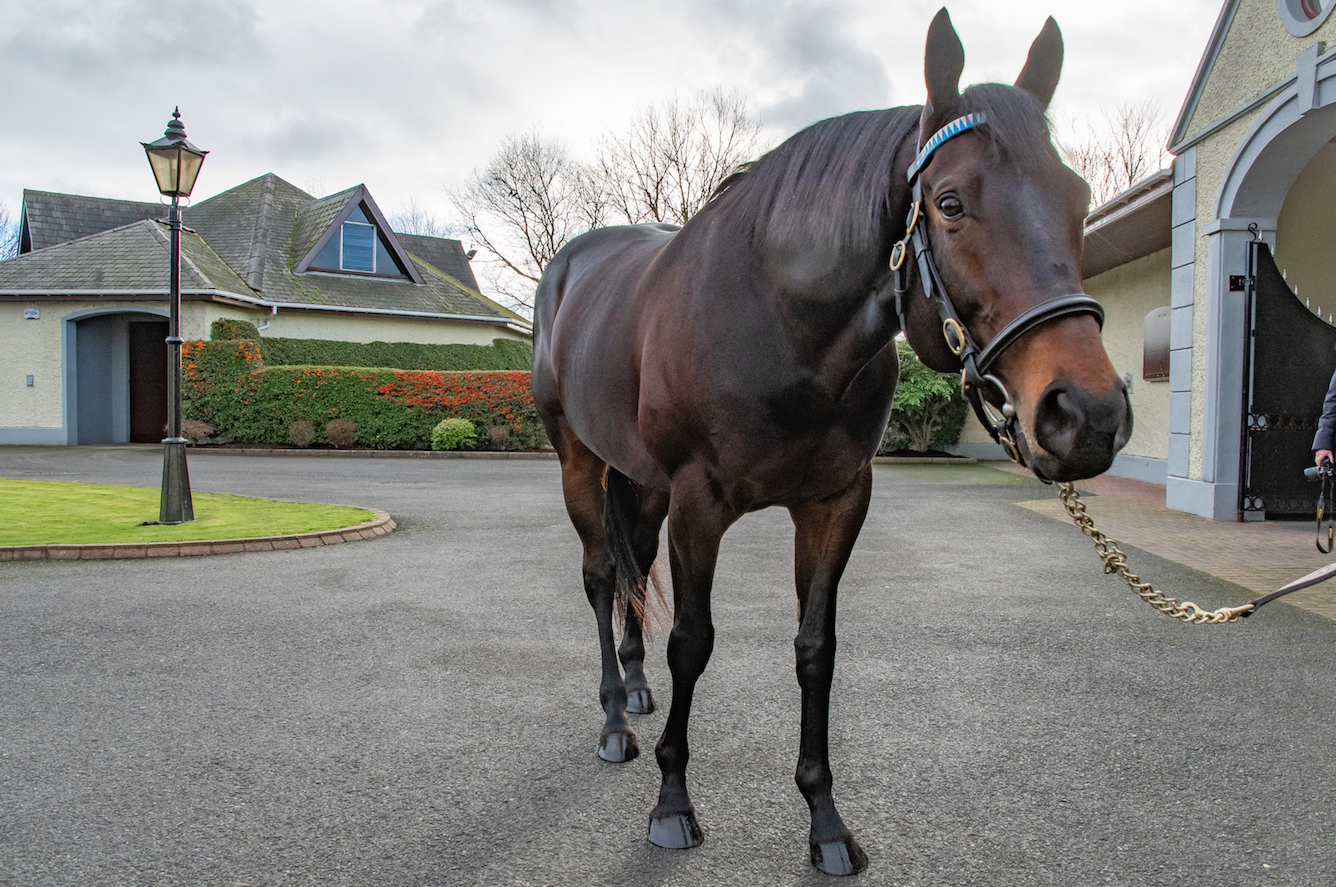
1323, 455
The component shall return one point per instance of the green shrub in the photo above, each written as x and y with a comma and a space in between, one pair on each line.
225, 330
210, 374
502, 354
452, 434
929, 410
390, 409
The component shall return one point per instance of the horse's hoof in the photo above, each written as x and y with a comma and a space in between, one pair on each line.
677, 832
618, 748
639, 702
839, 857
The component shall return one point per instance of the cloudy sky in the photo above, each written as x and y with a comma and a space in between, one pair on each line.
409, 96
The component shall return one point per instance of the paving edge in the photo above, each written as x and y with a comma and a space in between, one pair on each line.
380, 525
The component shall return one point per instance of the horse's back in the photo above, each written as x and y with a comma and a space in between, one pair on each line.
589, 321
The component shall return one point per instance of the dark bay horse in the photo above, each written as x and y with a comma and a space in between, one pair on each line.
748, 359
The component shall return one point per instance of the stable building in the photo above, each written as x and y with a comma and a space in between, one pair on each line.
84, 306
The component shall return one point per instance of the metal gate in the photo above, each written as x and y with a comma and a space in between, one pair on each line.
1288, 364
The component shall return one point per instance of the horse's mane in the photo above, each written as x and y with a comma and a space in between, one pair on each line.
832, 185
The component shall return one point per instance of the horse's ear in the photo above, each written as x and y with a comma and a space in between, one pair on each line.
1042, 68
943, 62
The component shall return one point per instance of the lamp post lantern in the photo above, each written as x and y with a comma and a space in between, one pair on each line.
175, 164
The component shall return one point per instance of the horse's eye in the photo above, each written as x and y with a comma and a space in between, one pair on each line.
950, 207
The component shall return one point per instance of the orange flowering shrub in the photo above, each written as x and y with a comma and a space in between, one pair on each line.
392, 409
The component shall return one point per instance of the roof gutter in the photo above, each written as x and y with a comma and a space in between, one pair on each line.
273, 307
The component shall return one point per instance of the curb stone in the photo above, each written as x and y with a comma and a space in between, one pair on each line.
380, 525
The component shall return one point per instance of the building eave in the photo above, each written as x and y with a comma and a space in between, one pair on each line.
1134, 224
256, 304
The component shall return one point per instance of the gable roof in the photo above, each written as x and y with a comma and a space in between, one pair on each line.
48, 218
444, 254
129, 260
244, 244
352, 199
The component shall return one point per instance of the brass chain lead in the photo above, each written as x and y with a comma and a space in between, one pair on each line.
1116, 562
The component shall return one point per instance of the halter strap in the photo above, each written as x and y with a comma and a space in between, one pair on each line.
990, 399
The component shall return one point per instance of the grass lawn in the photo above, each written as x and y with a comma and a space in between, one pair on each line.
37, 512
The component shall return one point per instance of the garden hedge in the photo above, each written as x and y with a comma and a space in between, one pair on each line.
235, 386
502, 354
227, 385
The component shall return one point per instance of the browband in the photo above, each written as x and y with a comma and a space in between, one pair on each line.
950, 131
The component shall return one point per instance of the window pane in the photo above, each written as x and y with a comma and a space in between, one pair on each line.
385, 261
328, 257
359, 247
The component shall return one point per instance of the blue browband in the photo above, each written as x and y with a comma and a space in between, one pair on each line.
951, 130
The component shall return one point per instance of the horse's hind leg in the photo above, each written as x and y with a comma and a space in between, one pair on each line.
653, 509
825, 534
582, 481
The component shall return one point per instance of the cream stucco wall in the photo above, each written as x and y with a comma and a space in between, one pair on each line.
1257, 53
1304, 233
30, 348
36, 348
1128, 293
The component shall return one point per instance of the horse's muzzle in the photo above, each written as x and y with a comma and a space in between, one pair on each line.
1077, 433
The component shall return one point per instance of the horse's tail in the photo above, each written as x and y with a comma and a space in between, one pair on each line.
621, 522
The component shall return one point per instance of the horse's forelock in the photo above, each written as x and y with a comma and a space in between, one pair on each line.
1017, 123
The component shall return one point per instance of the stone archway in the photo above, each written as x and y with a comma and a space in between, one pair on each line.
1266, 161
115, 375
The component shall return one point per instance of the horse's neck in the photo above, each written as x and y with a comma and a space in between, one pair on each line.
842, 313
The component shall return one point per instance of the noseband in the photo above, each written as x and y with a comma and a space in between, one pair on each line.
991, 401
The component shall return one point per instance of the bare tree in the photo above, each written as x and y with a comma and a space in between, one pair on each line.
533, 197
1129, 147
521, 208
9, 234
673, 157
417, 219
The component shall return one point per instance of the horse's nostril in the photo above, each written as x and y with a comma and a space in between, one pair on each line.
1058, 421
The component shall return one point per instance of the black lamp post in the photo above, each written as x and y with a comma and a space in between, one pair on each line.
175, 164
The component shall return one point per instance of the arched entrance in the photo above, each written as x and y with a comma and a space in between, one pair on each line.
1289, 134
116, 376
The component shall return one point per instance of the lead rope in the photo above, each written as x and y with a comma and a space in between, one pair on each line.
1116, 562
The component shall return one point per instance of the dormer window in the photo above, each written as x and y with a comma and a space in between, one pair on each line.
358, 247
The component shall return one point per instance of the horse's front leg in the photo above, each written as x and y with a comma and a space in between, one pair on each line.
696, 523
825, 534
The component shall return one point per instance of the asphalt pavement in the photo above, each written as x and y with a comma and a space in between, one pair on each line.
421, 708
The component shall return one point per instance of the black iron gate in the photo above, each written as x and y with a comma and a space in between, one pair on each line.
1287, 368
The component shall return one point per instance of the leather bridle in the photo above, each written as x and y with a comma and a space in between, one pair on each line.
986, 393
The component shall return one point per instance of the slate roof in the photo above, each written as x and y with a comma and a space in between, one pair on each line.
49, 218
445, 254
245, 242
131, 258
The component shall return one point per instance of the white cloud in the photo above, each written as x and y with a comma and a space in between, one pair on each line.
410, 95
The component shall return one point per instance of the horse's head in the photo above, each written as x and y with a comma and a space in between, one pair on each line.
1002, 231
